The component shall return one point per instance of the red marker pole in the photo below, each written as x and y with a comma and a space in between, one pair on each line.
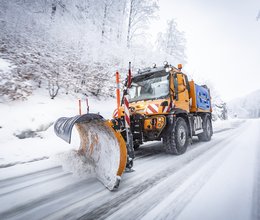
129, 136
129, 76
127, 113
118, 93
79, 106
87, 105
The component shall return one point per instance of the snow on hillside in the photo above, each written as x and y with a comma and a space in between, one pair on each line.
78, 45
26, 127
246, 107
5, 66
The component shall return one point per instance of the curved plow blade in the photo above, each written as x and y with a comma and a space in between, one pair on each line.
100, 146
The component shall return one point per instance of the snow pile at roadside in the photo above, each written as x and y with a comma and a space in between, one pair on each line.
221, 125
26, 127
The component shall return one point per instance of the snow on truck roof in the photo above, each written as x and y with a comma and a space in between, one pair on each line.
149, 71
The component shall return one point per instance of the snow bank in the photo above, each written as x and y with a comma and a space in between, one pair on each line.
221, 125
37, 115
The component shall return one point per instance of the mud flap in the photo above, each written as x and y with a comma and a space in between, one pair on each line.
100, 146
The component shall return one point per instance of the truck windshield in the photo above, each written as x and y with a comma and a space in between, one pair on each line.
149, 87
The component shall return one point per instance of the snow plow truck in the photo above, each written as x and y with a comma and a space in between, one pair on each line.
158, 103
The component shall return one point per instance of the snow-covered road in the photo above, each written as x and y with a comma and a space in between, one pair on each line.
219, 179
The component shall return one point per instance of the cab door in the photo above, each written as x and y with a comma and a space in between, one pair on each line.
181, 93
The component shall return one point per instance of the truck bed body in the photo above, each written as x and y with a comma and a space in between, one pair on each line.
200, 98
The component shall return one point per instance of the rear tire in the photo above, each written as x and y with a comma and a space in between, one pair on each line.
136, 146
207, 130
177, 141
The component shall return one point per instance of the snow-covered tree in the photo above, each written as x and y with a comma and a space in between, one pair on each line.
220, 109
140, 14
172, 42
77, 45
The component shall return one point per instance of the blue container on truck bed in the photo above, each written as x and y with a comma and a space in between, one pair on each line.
202, 97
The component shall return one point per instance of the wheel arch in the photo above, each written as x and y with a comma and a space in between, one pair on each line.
171, 121
187, 117
204, 115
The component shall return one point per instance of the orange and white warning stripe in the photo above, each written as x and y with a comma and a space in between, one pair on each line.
152, 109
168, 108
115, 114
127, 113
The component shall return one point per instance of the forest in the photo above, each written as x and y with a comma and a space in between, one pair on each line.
77, 46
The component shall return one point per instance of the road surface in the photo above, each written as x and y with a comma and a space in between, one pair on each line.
219, 179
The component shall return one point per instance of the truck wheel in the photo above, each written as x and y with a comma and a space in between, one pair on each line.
136, 146
207, 130
177, 141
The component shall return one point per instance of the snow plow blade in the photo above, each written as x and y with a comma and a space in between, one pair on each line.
100, 146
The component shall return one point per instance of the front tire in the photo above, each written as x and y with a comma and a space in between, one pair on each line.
177, 141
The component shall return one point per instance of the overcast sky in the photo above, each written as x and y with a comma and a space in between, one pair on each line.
223, 41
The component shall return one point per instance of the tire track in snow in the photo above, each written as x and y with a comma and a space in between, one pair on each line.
38, 181
29, 176
60, 203
178, 199
22, 208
